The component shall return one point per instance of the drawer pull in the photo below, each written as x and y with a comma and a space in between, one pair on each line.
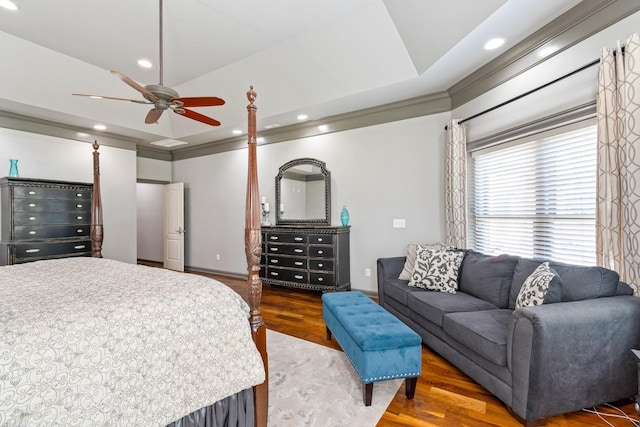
79, 247
78, 217
32, 205
32, 192
320, 279
32, 218
298, 239
320, 265
78, 205
298, 263
32, 251
32, 232
78, 194
273, 249
299, 277
298, 251
273, 273
319, 239
274, 261
273, 237
320, 252
79, 230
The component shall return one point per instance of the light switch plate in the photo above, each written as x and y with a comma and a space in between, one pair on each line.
399, 223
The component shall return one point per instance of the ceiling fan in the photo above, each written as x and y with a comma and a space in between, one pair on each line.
163, 98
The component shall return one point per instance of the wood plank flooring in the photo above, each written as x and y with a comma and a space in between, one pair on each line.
444, 395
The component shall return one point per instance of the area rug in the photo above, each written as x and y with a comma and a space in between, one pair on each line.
313, 385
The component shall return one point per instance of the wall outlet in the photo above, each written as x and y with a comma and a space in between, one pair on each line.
217, 257
367, 272
399, 223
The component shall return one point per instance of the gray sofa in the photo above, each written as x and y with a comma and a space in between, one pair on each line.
540, 361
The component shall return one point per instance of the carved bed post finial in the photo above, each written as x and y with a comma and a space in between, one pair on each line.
253, 250
97, 231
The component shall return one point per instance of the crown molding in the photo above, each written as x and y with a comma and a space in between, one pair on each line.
401, 110
153, 153
577, 24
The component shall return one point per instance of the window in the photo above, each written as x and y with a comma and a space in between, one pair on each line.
537, 198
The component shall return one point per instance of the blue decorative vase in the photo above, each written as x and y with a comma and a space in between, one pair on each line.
13, 168
344, 216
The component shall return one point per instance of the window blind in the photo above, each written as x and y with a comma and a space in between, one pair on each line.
537, 199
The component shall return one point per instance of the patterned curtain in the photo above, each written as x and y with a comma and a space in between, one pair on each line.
618, 198
456, 186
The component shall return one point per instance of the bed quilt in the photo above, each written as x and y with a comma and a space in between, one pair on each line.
97, 342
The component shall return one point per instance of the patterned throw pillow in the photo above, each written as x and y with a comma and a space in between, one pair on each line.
436, 269
542, 286
412, 249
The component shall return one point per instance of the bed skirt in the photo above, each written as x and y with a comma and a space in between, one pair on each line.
235, 410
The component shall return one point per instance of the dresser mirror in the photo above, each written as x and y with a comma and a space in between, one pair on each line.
303, 193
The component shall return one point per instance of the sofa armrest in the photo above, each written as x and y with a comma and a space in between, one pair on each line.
572, 355
388, 268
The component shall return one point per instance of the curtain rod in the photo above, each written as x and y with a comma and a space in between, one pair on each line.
509, 101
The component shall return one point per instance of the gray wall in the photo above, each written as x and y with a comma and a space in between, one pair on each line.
381, 172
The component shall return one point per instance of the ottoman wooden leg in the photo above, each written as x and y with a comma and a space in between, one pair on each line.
410, 387
328, 334
367, 392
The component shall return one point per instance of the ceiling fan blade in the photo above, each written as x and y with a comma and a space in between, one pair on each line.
137, 101
128, 80
197, 116
153, 115
199, 101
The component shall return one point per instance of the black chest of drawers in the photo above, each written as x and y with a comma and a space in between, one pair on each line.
306, 257
44, 219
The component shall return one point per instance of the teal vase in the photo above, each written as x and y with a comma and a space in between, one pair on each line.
13, 168
344, 216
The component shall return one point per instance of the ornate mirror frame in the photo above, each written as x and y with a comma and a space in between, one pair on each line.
327, 193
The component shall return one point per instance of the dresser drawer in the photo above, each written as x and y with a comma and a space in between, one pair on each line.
51, 193
24, 232
320, 264
299, 250
285, 238
325, 279
35, 218
287, 275
277, 261
321, 251
321, 238
51, 205
43, 250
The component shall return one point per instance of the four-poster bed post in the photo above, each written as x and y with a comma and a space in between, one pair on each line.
253, 250
97, 231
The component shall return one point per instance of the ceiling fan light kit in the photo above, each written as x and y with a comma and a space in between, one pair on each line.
163, 98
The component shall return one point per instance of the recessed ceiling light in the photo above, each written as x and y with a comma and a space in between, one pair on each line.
145, 63
99, 127
323, 128
302, 117
237, 132
8, 4
494, 43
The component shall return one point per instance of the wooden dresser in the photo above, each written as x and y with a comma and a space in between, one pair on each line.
309, 257
44, 219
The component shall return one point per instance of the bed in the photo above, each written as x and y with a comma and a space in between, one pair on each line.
92, 341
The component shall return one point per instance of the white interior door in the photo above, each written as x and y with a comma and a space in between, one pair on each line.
174, 226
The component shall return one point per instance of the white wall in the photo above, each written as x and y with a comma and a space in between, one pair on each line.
381, 172
47, 157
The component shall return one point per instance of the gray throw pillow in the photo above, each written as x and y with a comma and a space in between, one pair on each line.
543, 286
436, 270
407, 270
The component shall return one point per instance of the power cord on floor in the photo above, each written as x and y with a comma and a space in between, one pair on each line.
601, 415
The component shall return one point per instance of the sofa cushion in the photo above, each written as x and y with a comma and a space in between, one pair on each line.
543, 286
436, 270
434, 305
488, 277
398, 289
412, 249
579, 282
484, 332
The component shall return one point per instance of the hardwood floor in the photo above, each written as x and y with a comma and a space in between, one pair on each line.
444, 395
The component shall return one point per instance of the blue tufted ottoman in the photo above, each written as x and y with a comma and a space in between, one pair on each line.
379, 346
